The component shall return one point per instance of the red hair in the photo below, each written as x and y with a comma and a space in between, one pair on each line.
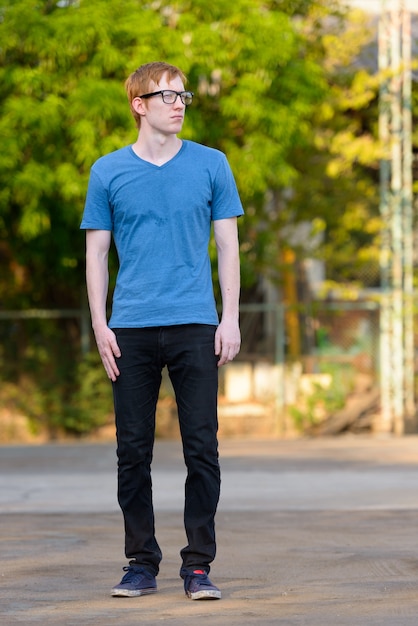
139, 81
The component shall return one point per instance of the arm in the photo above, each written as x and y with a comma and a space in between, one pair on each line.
228, 337
97, 277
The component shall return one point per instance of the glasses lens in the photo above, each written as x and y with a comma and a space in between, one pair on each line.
187, 97
169, 97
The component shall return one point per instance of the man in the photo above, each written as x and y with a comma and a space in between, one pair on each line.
158, 198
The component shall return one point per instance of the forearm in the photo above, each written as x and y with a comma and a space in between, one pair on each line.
229, 272
229, 281
97, 278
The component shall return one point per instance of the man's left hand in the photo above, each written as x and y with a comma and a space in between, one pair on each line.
227, 341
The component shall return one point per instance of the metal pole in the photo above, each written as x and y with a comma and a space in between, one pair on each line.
397, 223
386, 379
396, 207
408, 218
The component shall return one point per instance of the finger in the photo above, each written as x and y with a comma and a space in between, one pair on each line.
109, 366
228, 354
223, 357
112, 371
109, 361
115, 348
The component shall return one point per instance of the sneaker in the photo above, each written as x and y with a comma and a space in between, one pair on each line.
198, 586
136, 582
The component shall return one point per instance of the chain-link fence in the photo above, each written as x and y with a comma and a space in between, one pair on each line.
315, 333
50, 369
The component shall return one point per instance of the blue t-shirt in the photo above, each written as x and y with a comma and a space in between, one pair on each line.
160, 217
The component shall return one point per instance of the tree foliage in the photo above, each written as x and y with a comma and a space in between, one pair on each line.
259, 77
278, 87
343, 160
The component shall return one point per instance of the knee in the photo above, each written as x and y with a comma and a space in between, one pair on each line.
133, 454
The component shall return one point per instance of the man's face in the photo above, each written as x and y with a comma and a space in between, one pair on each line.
159, 116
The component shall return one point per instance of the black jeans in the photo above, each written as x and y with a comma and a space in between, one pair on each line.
188, 352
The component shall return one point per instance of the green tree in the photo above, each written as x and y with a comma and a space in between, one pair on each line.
341, 169
274, 90
62, 67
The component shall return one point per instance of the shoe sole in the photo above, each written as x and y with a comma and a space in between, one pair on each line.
205, 595
128, 593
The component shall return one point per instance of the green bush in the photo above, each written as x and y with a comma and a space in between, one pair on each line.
324, 400
45, 378
91, 403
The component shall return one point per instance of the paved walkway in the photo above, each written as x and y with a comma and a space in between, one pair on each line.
320, 532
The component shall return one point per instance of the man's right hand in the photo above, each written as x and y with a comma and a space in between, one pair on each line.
109, 351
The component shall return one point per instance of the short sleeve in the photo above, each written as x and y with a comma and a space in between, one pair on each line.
225, 200
97, 210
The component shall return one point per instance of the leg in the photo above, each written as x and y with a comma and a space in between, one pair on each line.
135, 398
192, 365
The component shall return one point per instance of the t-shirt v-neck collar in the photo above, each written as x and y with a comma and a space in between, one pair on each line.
155, 166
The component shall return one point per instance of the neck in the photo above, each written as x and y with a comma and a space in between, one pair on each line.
157, 150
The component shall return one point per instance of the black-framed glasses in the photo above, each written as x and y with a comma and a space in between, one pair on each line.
169, 96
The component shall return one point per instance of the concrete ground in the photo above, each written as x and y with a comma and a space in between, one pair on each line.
320, 532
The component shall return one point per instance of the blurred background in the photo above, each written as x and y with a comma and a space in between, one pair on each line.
314, 103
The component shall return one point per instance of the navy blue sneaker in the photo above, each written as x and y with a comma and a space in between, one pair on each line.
136, 582
198, 586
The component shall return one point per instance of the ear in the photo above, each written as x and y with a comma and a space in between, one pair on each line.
138, 106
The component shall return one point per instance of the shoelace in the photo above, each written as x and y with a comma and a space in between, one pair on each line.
133, 575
